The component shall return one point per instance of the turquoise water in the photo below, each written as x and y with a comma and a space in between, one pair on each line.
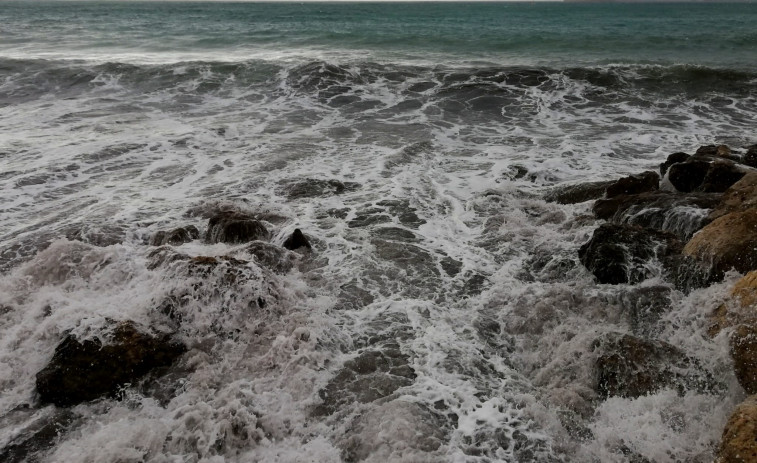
720, 34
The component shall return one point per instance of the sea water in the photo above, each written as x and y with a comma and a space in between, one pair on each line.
120, 119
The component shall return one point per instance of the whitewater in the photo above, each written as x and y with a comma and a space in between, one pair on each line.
442, 313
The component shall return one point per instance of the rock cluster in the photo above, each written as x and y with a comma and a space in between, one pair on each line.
692, 226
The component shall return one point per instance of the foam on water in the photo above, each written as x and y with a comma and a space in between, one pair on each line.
445, 263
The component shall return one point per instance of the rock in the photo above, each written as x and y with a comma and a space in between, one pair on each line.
574, 194
729, 242
707, 150
313, 187
750, 158
618, 254
370, 376
627, 366
743, 348
720, 176
682, 214
688, 176
738, 444
634, 184
176, 236
235, 227
297, 240
85, 370
741, 196
40, 434
674, 158
645, 306
740, 308
272, 257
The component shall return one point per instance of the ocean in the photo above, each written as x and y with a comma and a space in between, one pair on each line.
442, 314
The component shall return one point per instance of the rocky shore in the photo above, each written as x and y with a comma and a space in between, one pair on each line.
691, 223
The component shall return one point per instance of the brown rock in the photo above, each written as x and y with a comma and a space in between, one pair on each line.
739, 442
743, 343
741, 196
729, 242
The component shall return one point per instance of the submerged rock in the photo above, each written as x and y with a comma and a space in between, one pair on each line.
634, 184
37, 436
85, 370
574, 194
313, 187
235, 227
645, 306
272, 257
739, 444
729, 242
297, 240
631, 367
175, 237
618, 254
743, 349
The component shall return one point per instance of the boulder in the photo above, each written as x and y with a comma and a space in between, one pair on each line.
235, 227
688, 176
175, 237
634, 184
297, 240
674, 158
738, 444
627, 366
618, 253
272, 257
741, 196
743, 349
729, 242
574, 194
750, 158
662, 210
720, 176
85, 370
313, 187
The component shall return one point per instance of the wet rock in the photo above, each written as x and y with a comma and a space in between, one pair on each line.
645, 306
85, 370
743, 349
634, 184
741, 196
738, 444
618, 254
175, 237
688, 176
674, 158
37, 436
372, 375
682, 214
720, 176
313, 187
297, 240
707, 150
750, 158
272, 257
631, 367
740, 308
235, 227
729, 242
574, 194
395, 428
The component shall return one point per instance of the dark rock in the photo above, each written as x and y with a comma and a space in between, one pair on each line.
574, 194
674, 158
729, 242
85, 370
234, 227
312, 187
272, 257
750, 158
707, 150
175, 237
631, 367
297, 240
39, 435
688, 176
370, 376
618, 254
634, 184
743, 344
682, 214
720, 176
